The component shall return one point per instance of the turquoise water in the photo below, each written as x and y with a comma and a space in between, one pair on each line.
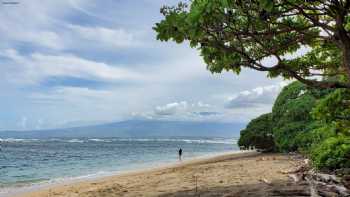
24, 162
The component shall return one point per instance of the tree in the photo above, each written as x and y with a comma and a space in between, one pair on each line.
335, 110
232, 34
258, 134
291, 116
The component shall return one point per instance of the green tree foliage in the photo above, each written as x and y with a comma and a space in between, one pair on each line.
231, 34
291, 115
333, 114
303, 119
258, 134
335, 110
304, 40
316, 134
332, 153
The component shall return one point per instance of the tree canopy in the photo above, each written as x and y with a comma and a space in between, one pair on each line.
291, 115
258, 134
306, 40
304, 119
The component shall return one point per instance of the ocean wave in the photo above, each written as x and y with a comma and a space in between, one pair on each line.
76, 141
17, 140
109, 140
100, 140
199, 141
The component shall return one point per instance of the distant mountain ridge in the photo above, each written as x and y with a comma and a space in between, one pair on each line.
135, 128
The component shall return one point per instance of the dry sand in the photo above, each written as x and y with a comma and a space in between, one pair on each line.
232, 175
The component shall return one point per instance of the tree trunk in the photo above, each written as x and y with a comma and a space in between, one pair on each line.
346, 59
345, 42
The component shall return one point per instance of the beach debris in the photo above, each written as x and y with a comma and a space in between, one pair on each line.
265, 181
321, 184
346, 181
297, 177
313, 190
326, 178
195, 177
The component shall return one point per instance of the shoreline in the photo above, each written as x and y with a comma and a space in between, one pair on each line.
20, 191
225, 173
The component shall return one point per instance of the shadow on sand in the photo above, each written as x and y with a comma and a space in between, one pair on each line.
282, 188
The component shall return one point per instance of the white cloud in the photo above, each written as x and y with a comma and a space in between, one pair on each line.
183, 110
262, 96
38, 67
80, 5
104, 36
33, 23
47, 39
171, 108
71, 94
52, 40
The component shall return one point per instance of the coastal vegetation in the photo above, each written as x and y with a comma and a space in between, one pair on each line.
296, 124
306, 41
258, 134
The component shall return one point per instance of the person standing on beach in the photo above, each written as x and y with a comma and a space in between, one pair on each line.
180, 154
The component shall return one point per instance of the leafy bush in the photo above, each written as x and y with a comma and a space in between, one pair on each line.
332, 153
258, 134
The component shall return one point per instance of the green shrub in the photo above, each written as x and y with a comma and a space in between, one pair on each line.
332, 153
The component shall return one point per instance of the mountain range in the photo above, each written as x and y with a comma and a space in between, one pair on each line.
135, 128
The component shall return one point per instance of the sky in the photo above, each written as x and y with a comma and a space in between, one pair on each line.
80, 62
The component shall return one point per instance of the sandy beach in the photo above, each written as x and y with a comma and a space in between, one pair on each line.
234, 174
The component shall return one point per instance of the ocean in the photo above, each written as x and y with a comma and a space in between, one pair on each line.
29, 162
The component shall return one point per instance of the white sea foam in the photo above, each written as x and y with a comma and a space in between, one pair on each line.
201, 141
109, 140
17, 140
76, 141
100, 140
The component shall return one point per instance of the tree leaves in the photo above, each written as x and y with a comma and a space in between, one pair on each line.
304, 40
258, 134
266, 5
243, 33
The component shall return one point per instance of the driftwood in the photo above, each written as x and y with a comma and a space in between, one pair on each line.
346, 181
328, 178
337, 190
313, 189
321, 184
297, 177
325, 185
265, 181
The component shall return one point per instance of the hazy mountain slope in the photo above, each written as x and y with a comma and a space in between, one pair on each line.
135, 128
